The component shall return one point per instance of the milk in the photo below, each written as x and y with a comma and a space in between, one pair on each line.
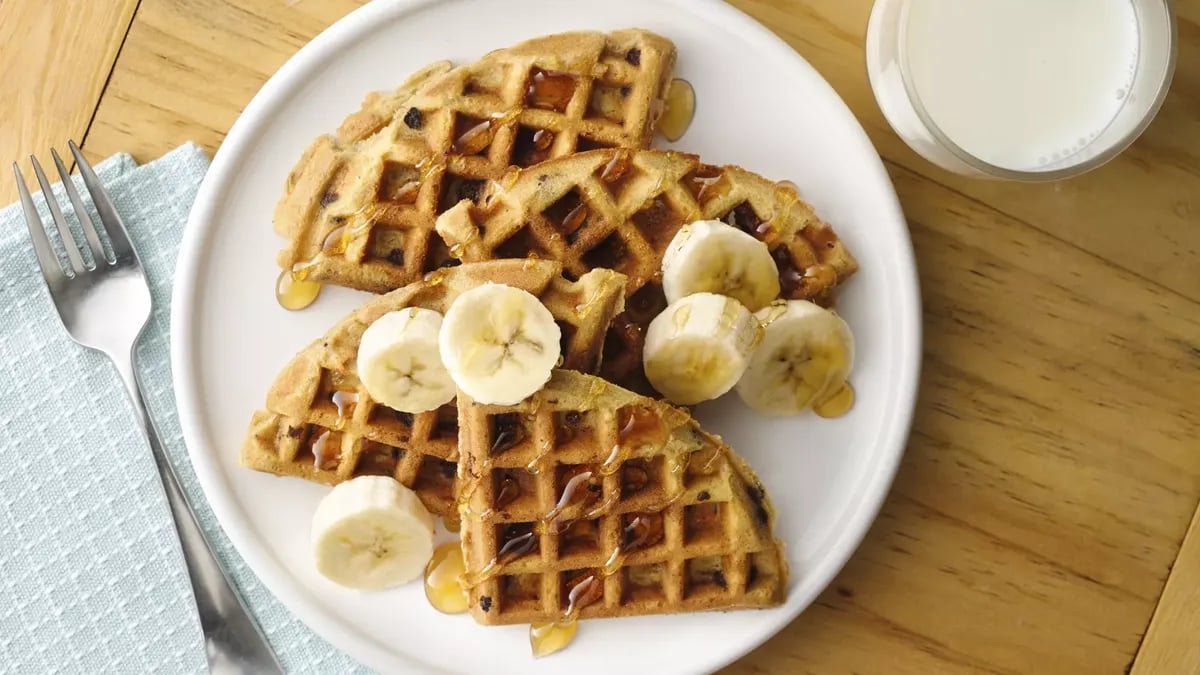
1021, 84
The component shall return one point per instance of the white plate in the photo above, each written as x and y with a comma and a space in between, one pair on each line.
759, 105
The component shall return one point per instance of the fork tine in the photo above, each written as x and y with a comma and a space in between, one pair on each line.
118, 236
51, 268
85, 221
64, 230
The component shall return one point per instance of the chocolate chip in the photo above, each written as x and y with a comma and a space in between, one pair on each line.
413, 119
485, 603
574, 417
295, 432
542, 178
448, 469
594, 487
405, 418
719, 579
396, 257
625, 91
704, 496
328, 198
634, 57
338, 220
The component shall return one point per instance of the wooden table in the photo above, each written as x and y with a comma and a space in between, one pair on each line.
1040, 521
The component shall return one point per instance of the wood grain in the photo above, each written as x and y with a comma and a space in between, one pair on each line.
1158, 235
1172, 644
189, 67
1051, 472
1053, 467
56, 58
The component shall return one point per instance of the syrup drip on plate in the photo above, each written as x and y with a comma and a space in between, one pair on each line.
679, 110
442, 586
838, 403
295, 293
547, 638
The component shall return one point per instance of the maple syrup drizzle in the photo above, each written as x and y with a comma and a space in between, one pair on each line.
775, 310
474, 140
601, 508
729, 314
836, 404
701, 183
436, 277
576, 218
322, 460
516, 547
586, 592
617, 167
568, 496
550, 90
443, 574
295, 293
509, 492
679, 110
547, 638
345, 402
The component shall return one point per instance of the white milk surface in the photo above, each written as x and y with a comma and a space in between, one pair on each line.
1021, 84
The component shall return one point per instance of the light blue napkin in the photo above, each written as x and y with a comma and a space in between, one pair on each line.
91, 576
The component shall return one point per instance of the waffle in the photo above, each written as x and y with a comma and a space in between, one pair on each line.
589, 501
359, 207
619, 209
321, 425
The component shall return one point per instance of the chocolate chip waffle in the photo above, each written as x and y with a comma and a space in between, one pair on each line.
321, 424
619, 209
589, 501
359, 207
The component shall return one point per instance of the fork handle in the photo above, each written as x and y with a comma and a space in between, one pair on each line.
233, 641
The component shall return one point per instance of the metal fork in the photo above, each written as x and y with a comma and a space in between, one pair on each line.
105, 306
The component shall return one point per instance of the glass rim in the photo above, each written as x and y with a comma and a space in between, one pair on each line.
994, 170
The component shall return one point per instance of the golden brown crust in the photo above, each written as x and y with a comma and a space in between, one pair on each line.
662, 516
620, 209
378, 185
368, 438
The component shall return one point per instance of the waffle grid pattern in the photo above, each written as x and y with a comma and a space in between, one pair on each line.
322, 425
587, 512
619, 209
362, 214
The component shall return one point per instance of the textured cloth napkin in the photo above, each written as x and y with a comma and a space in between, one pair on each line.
92, 579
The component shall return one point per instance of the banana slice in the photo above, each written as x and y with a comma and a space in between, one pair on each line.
399, 362
805, 356
499, 343
697, 348
371, 533
709, 256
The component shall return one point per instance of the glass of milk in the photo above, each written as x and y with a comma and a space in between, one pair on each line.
1020, 89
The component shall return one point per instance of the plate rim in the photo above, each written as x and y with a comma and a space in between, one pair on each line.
896, 426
